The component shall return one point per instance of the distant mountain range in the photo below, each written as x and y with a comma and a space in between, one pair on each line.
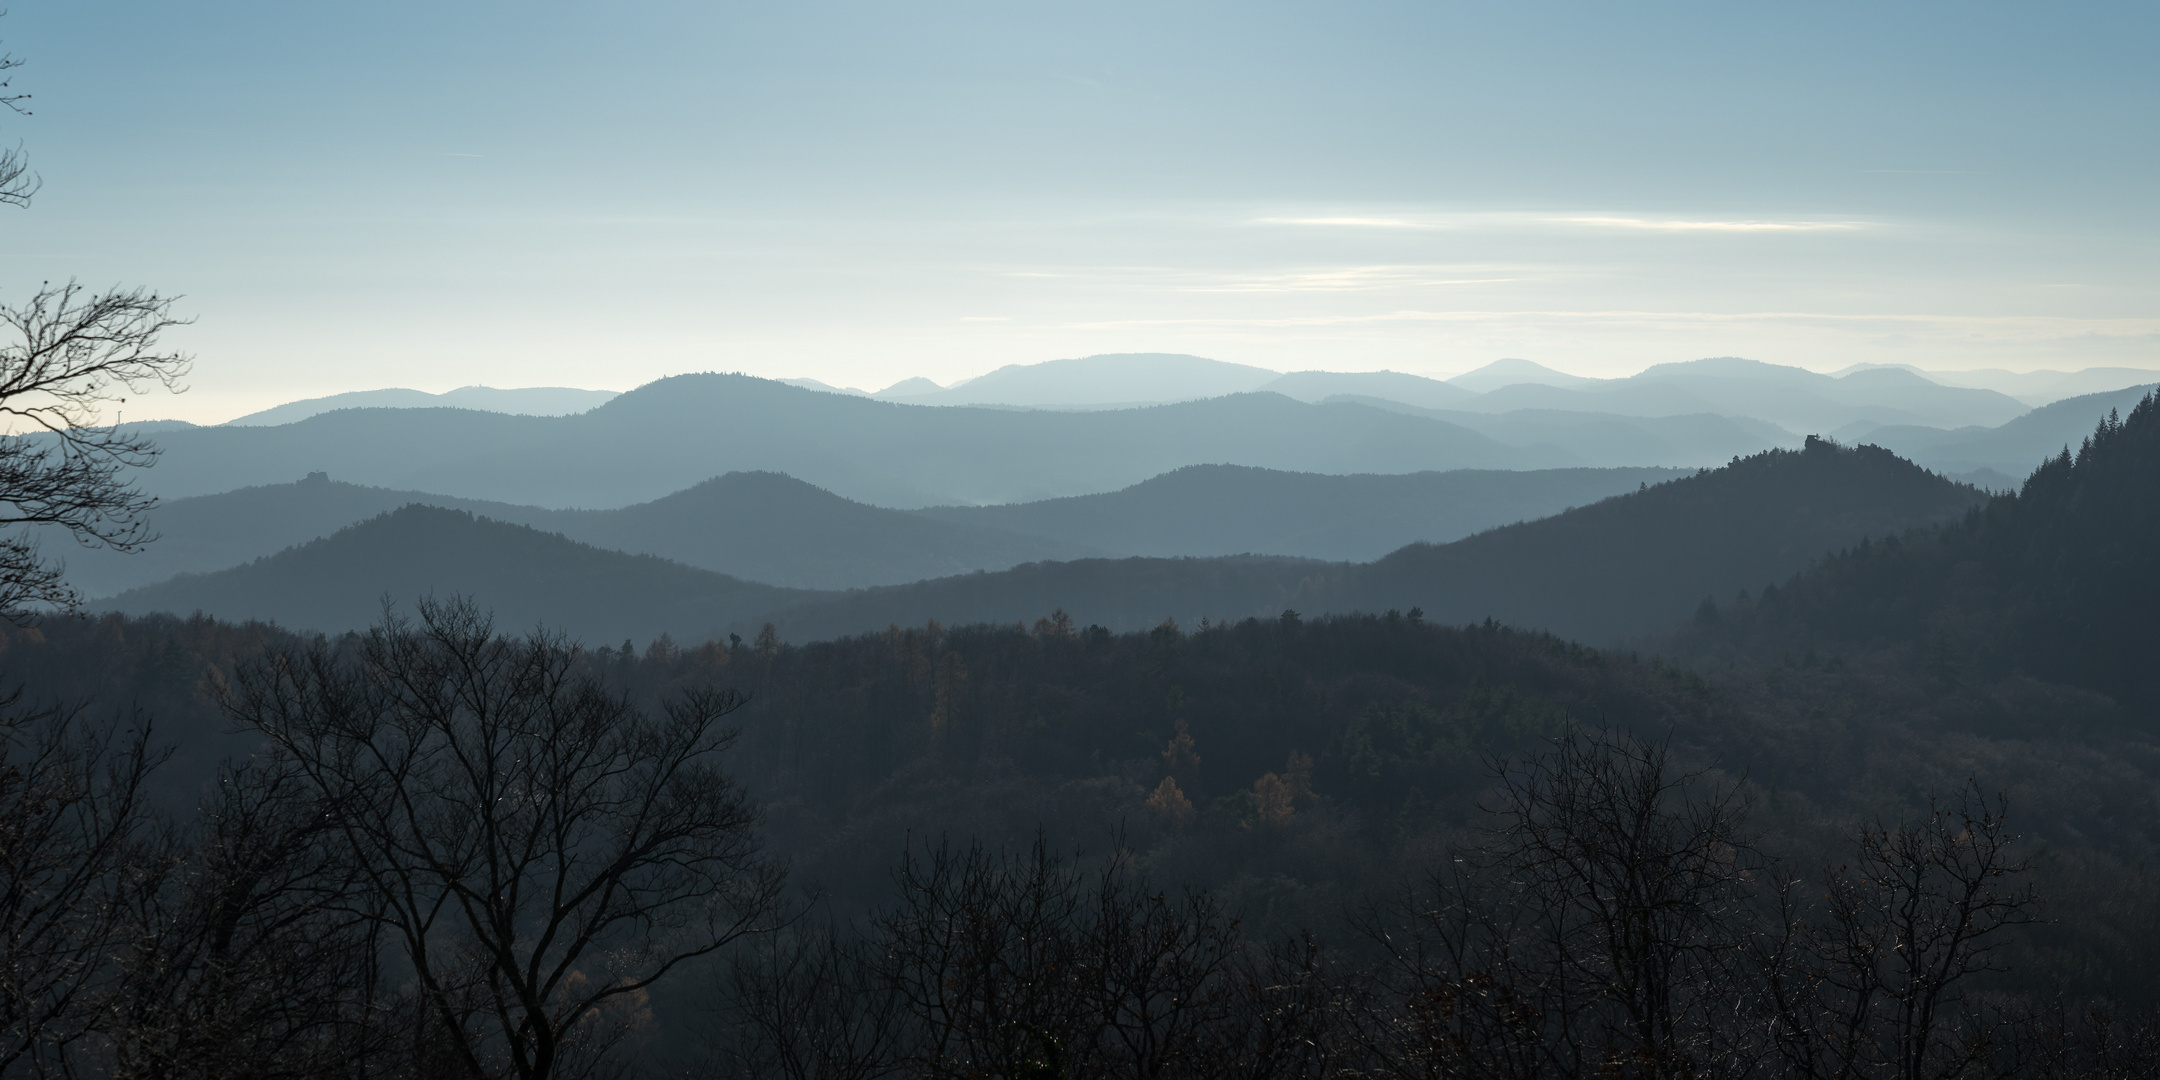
1511, 372
773, 529
1627, 565
1693, 439
526, 577
668, 435
1623, 567
2037, 388
1636, 564
1114, 379
1391, 387
2015, 447
1233, 509
1794, 398
2060, 582
527, 401
762, 527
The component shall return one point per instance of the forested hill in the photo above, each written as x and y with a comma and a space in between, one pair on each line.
756, 526
1642, 562
2015, 446
1632, 565
526, 577
1120, 594
2061, 581
764, 526
1237, 509
775, 529
1628, 566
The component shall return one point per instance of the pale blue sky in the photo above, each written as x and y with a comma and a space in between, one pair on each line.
438, 194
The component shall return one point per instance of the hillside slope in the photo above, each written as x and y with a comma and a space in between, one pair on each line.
1111, 378
2012, 448
1642, 562
205, 533
767, 527
670, 434
1794, 398
2060, 581
758, 526
1234, 509
1627, 566
524, 401
1413, 390
526, 577
1687, 440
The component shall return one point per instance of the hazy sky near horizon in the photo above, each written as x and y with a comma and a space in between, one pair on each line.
440, 194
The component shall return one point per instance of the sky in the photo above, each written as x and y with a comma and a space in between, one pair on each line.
440, 194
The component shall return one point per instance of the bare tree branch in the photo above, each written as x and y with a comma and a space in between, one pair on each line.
17, 182
253, 954
1907, 924
1597, 932
72, 351
541, 851
71, 818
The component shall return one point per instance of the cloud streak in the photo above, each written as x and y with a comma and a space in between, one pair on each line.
1352, 222
2000, 327
1345, 279
1684, 225
1433, 222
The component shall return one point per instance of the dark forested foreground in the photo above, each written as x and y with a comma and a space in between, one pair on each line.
1273, 848
1898, 844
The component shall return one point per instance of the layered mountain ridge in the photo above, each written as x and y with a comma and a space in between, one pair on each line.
1625, 565
992, 448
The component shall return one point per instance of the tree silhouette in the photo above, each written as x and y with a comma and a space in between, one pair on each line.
70, 352
540, 851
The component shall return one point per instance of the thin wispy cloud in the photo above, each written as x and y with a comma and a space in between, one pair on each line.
1999, 328
1598, 220
1352, 222
1306, 279
1685, 225
1345, 279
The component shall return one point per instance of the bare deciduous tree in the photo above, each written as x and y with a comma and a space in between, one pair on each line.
999, 965
72, 352
1464, 990
17, 182
254, 953
1639, 874
1904, 928
1600, 930
1285, 1020
541, 852
1160, 965
984, 952
71, 821
811, 1004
